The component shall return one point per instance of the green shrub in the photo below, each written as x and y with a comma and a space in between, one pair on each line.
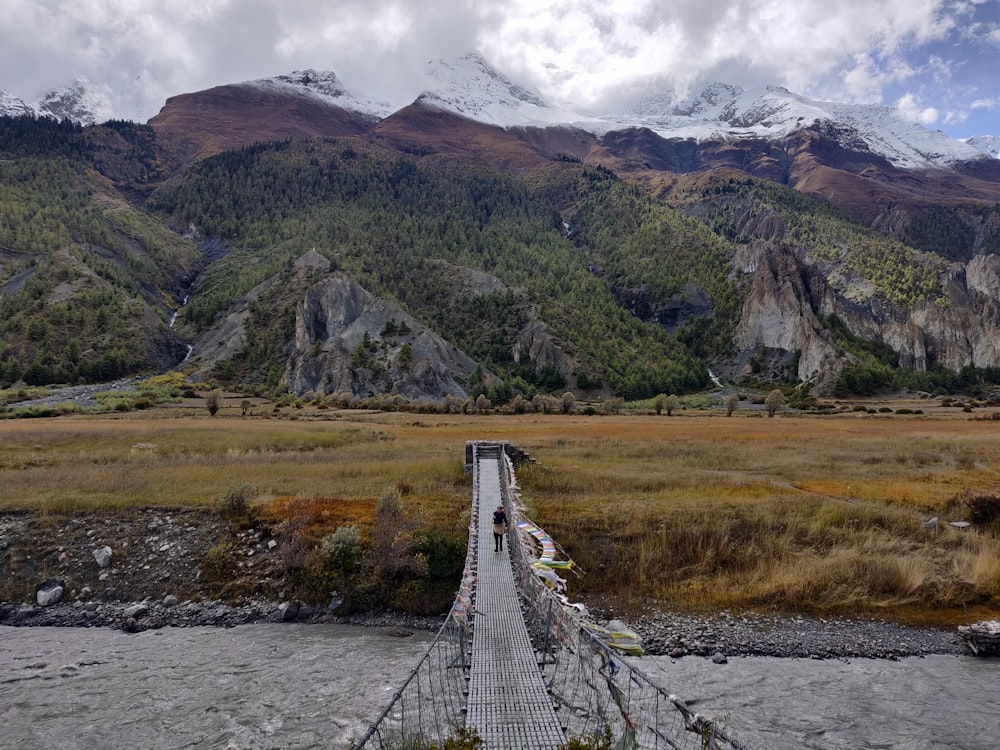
234, 506
218, 563
342, 549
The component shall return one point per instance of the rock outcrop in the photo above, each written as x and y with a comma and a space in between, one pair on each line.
779, 313
788, 298
347, 340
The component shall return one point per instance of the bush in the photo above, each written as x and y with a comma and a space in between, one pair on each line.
984, 510
234, 506
597, 741
342, 549
218, 563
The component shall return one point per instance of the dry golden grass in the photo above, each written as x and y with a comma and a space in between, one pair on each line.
698, 511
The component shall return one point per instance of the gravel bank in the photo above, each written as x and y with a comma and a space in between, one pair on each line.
134, 617
730, 634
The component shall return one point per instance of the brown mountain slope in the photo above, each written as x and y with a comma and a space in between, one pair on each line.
227, 117
420, 128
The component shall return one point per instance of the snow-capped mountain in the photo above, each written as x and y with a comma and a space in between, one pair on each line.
987, 144
471, 87
729, 112
80, 101
11, 106
322, 86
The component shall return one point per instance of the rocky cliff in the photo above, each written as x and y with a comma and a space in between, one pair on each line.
348, 341
789, 296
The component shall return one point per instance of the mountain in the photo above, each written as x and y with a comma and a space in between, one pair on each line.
721, 111
302, 104
480, 241
11, 106
80, 102
988, 144
471, 87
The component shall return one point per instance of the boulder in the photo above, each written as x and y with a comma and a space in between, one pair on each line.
136, 611
170, 600
50, 592
103, 556
288, 611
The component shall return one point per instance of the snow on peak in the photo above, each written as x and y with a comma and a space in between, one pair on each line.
724, 111
471, 87
986, 144
322, 86
80, 101
11, 106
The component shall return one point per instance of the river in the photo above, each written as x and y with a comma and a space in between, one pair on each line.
316, 686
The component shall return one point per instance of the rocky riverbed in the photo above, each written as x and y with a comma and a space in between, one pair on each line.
148, 568
728, 634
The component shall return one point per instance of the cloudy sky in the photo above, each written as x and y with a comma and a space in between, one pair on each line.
936, 60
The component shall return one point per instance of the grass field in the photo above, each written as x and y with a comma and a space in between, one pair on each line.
820, 514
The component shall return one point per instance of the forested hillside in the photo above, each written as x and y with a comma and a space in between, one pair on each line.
85, 278
551, 272
382, 218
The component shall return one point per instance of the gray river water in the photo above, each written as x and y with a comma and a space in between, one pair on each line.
317, 686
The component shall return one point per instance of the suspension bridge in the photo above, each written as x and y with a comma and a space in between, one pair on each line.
516, 664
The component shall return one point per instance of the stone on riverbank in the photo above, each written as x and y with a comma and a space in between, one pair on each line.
103, 556
50, 592
288, 612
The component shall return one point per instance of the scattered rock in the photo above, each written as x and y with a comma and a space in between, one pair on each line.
288, 611
136, 611
719, 658
398, 632
130, 625
49, 592
103, 557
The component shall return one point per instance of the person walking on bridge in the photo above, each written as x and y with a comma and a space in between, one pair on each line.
499, 528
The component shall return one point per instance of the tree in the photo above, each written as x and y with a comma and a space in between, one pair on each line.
568, 402
659, 403
405, 356
393, 538
483, 404
517, 405
213, 401
671, 404
774, 401
245, 406
732, 402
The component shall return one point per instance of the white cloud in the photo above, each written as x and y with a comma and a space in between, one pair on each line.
955, 117
909, 107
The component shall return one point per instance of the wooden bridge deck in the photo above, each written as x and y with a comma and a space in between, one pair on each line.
508, 704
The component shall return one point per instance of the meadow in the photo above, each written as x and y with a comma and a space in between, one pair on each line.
697, 511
